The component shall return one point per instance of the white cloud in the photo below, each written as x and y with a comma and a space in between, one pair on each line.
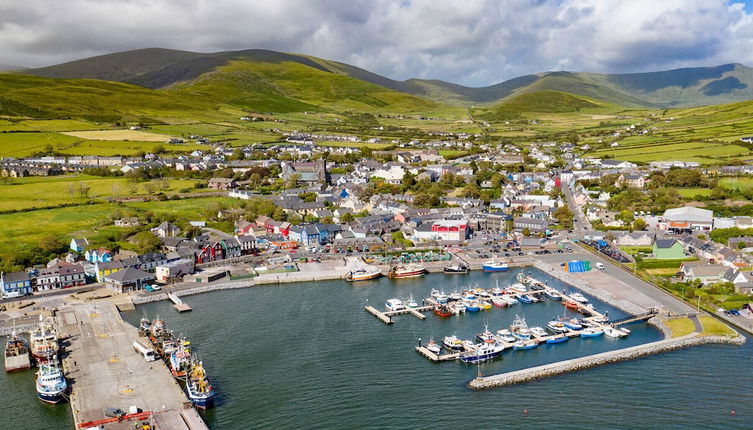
474, 42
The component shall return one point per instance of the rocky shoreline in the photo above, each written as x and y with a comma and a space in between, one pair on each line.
601, 359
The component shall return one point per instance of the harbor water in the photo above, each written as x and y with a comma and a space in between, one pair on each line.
309, 356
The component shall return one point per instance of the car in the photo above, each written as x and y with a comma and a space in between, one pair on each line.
114, 412
507, 254
559, 251
520, 254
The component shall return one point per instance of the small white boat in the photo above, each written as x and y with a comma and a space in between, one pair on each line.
455, 296
614, 332
457, 307
411, 303
538, 332
453, 343
578, 297
498, 302
433, 347
505, 335
591, 332
394, 305
509, 299
517, 288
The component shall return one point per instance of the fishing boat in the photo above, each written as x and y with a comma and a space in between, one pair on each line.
16, 353
440, 296
614, 332
498, 302
453, 343
551, 296
525, 344
394, 305
145, 325
495, 265
591, 332
482, 352
519, 328
157, 328
44, 341
455, 296
505, 335
472, 306
407, 271
457, 269
486, 336
559, 338
571, 305
538, 332
457, 307
524, 298
556, 326
578, 297
409, 302
363, 274
469, 295
509, 299
51, 384
496, 291
433, 347
517, 288
484, 305
200, 391
523, 279
573, 324
443, 310
180, 362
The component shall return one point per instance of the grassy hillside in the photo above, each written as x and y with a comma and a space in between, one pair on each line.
537, 102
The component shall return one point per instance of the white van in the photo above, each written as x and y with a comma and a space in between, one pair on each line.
11, 294
599, 266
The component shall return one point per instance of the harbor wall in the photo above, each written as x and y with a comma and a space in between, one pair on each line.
601, 359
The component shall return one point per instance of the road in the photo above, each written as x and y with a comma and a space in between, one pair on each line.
581, 223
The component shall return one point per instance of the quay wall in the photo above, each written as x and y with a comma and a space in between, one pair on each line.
26, 328
601, 359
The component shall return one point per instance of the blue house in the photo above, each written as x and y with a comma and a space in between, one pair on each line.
310, 235
79, 244
15, 282
327, 232
295, 233
100, 255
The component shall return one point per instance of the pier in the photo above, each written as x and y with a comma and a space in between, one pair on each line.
179, 304
437, 358
105, 372
386, 317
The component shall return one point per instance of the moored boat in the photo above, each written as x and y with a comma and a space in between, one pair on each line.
482, 352
509, 299
453, 343
505, 335
570, 305
538, 332
556, 326
409, 302
498, 302
519, 328
472, 306
407, 271
524, 344
486, 336
614, 332
51, 383
517, 288
573, 324
433, 347
180, 362
495, 265
525, 298
363, 274
559, 338
200, 391
551, 296
457, 307
44, 341
591, 332
484, 305
457, 269
394, 305
16, 354
578, 297
443, 310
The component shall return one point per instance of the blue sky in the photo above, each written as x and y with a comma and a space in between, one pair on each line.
471, 42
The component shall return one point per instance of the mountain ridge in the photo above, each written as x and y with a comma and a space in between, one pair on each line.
160, 68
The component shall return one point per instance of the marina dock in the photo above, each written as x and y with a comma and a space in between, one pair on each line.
437, 358
386, 317
105, 372
179, 304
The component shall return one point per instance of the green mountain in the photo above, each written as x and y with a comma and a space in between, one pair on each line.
257, 78
546, 101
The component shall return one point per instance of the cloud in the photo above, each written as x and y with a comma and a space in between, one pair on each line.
473, 42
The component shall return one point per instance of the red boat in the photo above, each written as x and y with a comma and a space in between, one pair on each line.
443, 310
571, 305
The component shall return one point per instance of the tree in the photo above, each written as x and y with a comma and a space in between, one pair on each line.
145, 241
639, 224
84, 189
346, 217
526, 232
158, 149
564, 216
52, 245
741, 245
408, 181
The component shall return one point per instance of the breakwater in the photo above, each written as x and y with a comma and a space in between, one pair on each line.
601, 359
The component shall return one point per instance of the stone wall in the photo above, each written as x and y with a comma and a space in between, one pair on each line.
553, 369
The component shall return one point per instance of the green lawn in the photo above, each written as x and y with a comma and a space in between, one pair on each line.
680, 326
737, 184
690, 193
714, 327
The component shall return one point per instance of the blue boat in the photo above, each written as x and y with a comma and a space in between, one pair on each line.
472, 306
200, 391
494, 266
591, 332
483, 352
551, 296
51, 383
524, 298
558, 339
573, 324
525, 344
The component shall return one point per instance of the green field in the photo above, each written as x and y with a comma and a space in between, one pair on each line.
690, 193
680, 326
737, 184
40, 192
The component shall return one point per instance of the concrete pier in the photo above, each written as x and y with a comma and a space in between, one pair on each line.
105, 372
581, 363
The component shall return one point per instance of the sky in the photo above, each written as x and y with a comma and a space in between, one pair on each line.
470, 42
